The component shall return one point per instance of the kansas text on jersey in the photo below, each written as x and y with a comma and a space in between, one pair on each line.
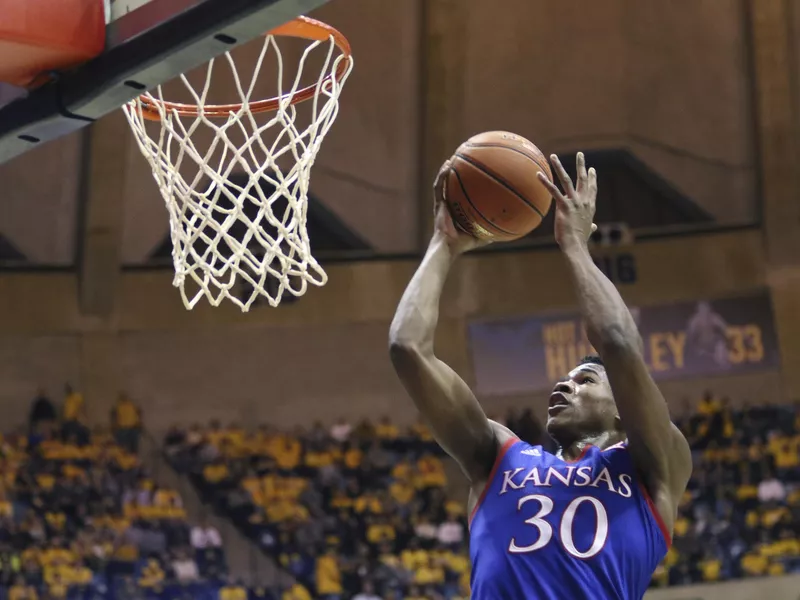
551, 529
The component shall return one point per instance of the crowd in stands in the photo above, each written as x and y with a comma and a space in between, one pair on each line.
349, 511
363, 511
740, 516
81, 518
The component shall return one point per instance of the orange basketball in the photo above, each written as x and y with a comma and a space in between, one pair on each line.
492, 189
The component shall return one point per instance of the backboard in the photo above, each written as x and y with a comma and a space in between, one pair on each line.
148, 42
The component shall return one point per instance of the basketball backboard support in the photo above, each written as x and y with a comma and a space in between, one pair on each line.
148, 42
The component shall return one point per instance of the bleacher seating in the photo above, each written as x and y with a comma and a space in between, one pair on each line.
80, 518
740, 516
345, 510
364, 510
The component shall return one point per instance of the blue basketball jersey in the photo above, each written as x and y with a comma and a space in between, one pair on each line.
547, 528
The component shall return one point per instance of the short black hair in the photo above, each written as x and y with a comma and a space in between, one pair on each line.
591, 359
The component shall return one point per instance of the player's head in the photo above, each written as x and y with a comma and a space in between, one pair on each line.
582, 404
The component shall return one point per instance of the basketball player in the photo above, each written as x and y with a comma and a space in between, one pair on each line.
593, 520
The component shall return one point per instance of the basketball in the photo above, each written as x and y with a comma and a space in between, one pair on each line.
492, 189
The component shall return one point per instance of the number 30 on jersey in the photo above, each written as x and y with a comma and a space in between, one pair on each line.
565, 529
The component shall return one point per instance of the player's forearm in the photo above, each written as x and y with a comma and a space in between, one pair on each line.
608, 320
417, 314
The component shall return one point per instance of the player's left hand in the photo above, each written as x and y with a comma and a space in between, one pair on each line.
576, 205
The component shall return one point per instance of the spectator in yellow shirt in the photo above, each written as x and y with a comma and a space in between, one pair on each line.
328, 576
126, 419
368, 503
152, 574
73, 415
710, 567
57, 588
73, 405
708, 405
233, 591
287, 454
786, 455
56, 521
379, 531
216, 472
215, 434
386, 430
21, 591
747, 493
353, 458
413, 557
253, 485
127, 553
318, 458
235, 435
431, 472
57, 555
786, 546
421, 431
402, 492
296, 592
429, 573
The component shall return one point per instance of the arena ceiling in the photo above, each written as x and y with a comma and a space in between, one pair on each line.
661, 97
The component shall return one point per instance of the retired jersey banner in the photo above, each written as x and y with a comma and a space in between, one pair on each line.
693, 339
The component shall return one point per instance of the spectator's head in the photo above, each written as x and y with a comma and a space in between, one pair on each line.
367, 587
764, 537
386, 548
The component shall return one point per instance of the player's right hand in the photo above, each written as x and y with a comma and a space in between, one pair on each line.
444, 227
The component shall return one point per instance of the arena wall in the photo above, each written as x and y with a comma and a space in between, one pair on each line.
324, 356
668, 80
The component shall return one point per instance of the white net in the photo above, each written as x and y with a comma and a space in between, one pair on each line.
237, 202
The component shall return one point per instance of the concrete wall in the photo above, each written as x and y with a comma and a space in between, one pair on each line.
324, 356
669, 80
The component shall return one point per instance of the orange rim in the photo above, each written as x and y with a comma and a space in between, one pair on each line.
301, 27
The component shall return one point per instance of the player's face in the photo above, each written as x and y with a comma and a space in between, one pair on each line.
582, 404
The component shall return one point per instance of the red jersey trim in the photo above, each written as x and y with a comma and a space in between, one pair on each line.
580, 456
500, 454
656, 515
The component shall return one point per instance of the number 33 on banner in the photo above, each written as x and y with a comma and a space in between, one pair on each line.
745, 344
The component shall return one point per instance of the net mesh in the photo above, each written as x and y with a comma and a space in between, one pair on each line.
238, 203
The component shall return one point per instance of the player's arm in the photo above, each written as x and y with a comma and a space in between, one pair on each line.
444, 399
658, 448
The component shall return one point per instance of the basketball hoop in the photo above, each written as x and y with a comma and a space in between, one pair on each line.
228, 222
